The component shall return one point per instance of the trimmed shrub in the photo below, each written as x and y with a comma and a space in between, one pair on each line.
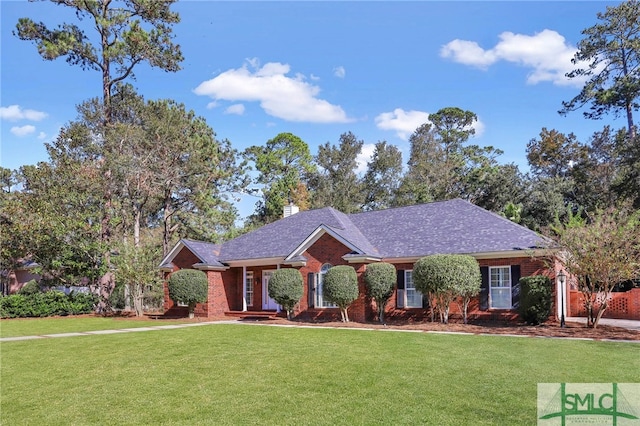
188, 286
30, 287
340, 286
380, 278
536, 293
46, 304
286, 287
444, 278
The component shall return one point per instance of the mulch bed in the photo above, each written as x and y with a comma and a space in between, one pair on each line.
549, 329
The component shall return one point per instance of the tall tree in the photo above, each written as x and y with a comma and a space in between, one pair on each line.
598, 171
382, 178
439, 161
418, 182
336, 184
553, 154
611, 50
119, 35
551, 187
111, 37
193, 173
283, 166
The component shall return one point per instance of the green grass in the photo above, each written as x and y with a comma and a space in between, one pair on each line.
242, 375
40, 326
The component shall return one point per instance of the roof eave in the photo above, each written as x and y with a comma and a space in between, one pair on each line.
206, 267
263, 261
350, 258
504, 254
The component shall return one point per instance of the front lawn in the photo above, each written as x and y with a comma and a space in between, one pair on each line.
247, 374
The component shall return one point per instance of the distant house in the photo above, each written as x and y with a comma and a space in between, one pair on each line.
313, 241
14, 279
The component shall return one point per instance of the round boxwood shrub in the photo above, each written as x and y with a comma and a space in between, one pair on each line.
444, 278
188, 286
286, 287
536, 294
340, 286
380, 278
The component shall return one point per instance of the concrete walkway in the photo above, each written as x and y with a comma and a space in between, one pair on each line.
122, 330
628, 324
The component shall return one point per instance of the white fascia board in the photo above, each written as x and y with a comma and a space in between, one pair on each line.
361, 259
315, 236
265, 261
203, 267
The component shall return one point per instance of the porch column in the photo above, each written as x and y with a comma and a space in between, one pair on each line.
244, 289
278, 306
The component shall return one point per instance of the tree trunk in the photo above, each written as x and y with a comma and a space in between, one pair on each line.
465, 307
138, 299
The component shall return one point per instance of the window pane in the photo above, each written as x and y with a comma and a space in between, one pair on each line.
320, 302
501, 298
249, 287
500, 283
414, 297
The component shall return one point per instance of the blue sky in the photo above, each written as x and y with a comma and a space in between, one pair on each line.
320, 69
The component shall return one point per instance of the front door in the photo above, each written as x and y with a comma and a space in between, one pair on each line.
267, 302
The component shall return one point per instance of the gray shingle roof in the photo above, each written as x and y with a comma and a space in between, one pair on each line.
445, 227
454, 226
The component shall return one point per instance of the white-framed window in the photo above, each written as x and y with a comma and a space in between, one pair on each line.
500, 287
248, 295
320, 302
407, 296
413, 296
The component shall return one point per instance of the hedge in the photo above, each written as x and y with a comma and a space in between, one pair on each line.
46, 304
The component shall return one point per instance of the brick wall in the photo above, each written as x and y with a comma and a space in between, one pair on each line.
621, 305
225, 287
222, 295
528, 266
329, 250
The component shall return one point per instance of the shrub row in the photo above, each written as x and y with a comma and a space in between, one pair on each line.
46, 304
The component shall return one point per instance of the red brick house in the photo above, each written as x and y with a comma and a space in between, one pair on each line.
313, 241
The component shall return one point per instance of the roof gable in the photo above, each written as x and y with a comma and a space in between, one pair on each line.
207, 254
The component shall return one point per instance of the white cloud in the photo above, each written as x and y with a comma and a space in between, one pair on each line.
279, 95
212, 105
23, 130
237, 109
404, 123
339, 72
15, 113
42, 135
546, 53
365, 156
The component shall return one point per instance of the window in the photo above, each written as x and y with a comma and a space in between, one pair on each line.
407, 296
500, 287
414, 297
320, 302
248, 296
